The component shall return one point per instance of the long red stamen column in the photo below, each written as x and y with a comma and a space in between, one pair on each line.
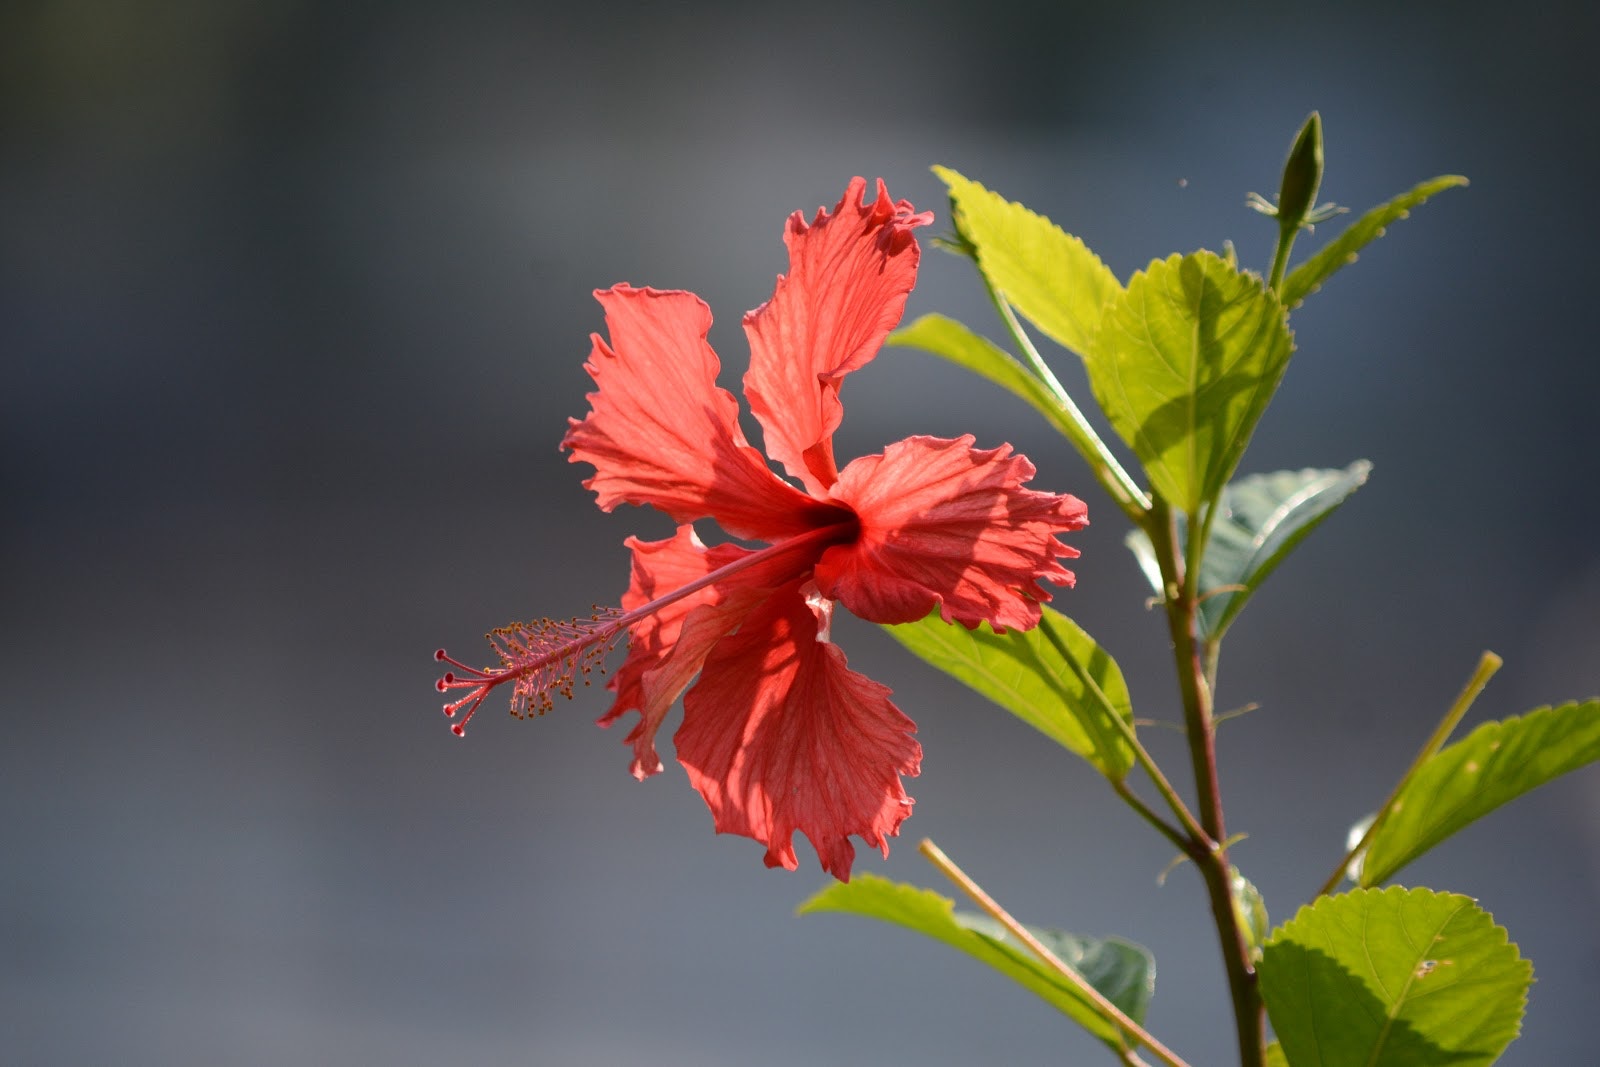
549, 656
538, 659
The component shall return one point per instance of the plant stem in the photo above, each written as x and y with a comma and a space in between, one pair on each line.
1195, 666
1106, 1009
1488, 664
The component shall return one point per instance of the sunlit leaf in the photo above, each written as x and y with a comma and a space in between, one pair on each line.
1122, 972
1261, 519
951, 340
1025, 673
1497, 762
1275, 1057
1050, 277
1393, 978
1184, 364
1308, 277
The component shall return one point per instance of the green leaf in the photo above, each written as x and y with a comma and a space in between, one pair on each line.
1122, 972
1393, 978
1308, 277
1050, 277
1261, 519
1275, 1056
1497, 762
1027, 674
951, 340
1185, 362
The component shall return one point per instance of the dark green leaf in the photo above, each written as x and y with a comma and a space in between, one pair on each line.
1497, 762
1185, 362
1262, 518
1393, 978
1025, 673
1050, 277
1122, 972
1308, 277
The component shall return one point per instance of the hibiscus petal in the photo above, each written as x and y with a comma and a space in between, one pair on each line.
667, 646
780, 735
849, 275
660, 432
948, 524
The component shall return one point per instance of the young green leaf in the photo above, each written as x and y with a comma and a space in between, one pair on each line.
1497, 762
1124, 973
1025, 673
1184, 364
1393, 978
1275, 1057
1308, 277
949, 339
1261, 519
1050, 277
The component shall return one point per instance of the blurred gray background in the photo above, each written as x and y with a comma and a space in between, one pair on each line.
294, 299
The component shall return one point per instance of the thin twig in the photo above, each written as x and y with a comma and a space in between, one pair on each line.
1488, 664
1104, 1007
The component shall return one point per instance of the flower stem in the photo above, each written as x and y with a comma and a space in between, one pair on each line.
1280, 256
1104, 1007
1488, 664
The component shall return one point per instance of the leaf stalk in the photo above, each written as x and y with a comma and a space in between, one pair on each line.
1110, 473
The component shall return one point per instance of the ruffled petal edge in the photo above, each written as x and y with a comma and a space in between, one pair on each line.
947, 524
779, 735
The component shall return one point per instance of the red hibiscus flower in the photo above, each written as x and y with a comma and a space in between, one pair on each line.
778, 733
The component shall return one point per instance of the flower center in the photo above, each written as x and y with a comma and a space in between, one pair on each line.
550, 656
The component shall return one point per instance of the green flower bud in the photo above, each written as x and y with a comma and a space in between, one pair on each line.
1302, 175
